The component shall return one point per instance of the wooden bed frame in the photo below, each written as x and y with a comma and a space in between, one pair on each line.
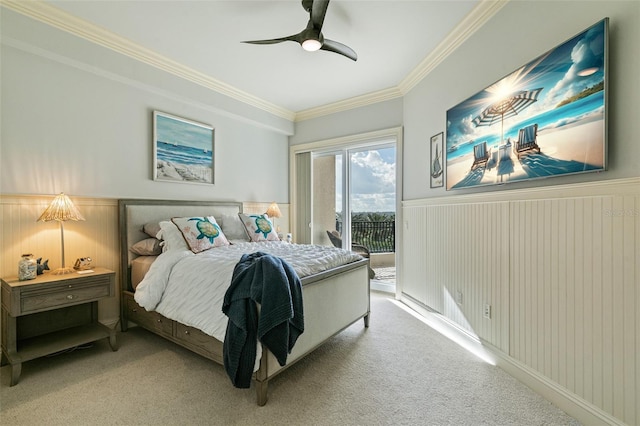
333, 300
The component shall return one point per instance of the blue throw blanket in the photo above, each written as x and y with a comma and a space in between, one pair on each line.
271, 282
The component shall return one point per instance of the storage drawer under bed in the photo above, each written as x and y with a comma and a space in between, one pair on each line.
149, 320
196, 339
189, 337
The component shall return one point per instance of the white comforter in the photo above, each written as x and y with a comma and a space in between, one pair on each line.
190, 288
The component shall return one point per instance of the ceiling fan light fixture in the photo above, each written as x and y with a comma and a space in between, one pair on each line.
311, 38
311, 45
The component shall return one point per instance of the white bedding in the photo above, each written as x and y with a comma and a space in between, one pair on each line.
190, 288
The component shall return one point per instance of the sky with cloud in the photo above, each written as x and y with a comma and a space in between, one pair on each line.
373, 181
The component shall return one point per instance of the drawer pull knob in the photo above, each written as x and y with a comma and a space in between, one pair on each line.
70, 286
134, 310
70, 296
187, 332
159, 320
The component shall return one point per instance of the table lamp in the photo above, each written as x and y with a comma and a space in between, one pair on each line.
61, 209
273, 212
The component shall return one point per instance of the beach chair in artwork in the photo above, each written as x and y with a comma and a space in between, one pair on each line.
480, 155
527, 139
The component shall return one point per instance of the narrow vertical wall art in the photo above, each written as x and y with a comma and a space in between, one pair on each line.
437, 168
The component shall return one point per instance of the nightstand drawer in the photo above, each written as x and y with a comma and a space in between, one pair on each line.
65, 294
64, 297
149, 320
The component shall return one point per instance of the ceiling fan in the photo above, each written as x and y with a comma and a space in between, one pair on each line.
311, 38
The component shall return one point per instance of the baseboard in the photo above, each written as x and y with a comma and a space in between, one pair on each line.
580, 409
570, 403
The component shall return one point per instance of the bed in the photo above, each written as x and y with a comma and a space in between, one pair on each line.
333, 299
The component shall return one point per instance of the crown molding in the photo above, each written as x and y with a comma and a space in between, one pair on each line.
480, 14
472, 22
64, 21
355, 102
59, 19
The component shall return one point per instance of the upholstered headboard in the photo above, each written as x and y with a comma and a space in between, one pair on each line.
133, 214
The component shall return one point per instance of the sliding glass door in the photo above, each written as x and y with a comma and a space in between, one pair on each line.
354, 196
350, 188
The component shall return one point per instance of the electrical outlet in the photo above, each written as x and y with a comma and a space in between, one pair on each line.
458, 297
487, 311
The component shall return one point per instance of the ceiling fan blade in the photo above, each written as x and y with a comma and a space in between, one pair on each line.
306, 4
295, 37
337, 47
311, 37
318, 12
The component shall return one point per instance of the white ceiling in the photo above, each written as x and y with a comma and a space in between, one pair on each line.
391, 38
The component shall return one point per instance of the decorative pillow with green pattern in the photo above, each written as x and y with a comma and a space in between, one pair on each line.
259, 227
201, 233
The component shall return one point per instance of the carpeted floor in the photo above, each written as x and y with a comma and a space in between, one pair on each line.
397, 372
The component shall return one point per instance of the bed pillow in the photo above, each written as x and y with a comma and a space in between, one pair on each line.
147, 247
171, 237
233, 228
201, 233
151, 229
259, 227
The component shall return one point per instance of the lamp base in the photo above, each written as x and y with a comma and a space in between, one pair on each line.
63, 271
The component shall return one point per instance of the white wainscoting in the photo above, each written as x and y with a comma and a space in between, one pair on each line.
560, 267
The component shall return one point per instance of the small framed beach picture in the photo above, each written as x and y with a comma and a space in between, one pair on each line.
437, 162
183, 150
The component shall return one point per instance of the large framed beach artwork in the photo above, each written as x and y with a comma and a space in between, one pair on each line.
547, 118
183, 150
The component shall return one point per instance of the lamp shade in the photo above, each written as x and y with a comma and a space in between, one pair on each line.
274, 210
60, 209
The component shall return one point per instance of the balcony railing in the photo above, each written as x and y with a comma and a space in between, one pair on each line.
378, 237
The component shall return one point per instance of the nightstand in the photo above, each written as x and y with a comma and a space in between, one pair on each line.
52, 313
